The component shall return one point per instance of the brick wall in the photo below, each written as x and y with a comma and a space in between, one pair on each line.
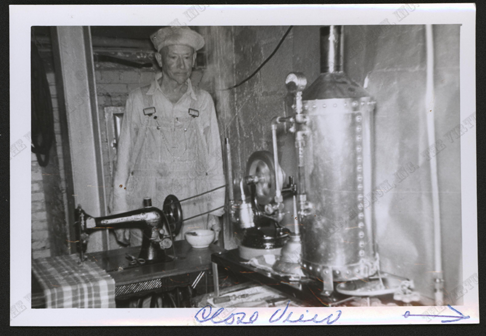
265, 96
49, 200
40, 232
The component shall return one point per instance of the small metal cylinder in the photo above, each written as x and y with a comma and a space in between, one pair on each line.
296, 216
147, 202
246, 216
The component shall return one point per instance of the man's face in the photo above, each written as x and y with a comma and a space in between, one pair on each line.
177, 62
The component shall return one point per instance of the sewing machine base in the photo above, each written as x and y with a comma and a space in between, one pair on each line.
130, 265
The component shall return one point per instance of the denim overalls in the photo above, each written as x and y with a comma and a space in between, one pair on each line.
175, 150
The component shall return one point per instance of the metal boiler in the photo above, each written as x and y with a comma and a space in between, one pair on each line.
337, 233
333, 236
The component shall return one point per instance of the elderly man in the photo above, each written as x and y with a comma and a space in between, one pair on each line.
169, 141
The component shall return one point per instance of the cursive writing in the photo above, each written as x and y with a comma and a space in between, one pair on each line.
230, 319
327, 319
454, 318
205, 314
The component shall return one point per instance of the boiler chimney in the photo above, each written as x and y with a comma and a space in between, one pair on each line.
331, 49
333, 83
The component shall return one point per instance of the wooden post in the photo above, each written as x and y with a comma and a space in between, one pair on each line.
75, 62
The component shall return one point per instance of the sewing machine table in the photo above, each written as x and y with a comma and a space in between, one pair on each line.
143, 279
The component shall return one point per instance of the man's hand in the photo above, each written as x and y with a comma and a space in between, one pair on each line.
216, 233
215, 225
123, 236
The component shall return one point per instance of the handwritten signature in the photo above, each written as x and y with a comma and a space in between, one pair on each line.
454, 318
205, 315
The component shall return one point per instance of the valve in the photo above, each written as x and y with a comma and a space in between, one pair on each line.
296, 83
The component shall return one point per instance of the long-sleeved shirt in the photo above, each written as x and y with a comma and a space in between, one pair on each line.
176, 150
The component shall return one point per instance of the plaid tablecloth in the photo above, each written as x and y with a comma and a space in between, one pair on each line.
68, 284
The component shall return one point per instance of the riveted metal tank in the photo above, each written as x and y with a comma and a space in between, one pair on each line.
337, 236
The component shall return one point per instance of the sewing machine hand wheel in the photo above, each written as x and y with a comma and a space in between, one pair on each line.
261, 165
173, 211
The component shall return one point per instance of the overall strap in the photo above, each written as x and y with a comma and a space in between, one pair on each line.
148, 101
195, 105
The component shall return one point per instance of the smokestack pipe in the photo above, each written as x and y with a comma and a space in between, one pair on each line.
332, 48
333, 83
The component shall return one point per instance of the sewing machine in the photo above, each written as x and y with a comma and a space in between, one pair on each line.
173, 272
159, 228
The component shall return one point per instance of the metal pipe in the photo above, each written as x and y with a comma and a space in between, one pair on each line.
229, 171
279, 120
198, 278
246, 211
296, 216
215, 279
81, 229
242, 190
331, 48
430, 112
300, 145
278, 194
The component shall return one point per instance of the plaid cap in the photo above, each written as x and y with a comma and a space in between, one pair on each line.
177, 35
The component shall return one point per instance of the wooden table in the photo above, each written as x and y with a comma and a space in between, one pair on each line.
306, 291
141, 280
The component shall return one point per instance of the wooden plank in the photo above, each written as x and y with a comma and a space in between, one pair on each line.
73, 46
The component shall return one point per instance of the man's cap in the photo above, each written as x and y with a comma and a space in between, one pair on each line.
177, 35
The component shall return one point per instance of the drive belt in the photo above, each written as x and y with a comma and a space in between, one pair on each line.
204, 193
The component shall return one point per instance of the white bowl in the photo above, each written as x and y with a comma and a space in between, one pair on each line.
201, 239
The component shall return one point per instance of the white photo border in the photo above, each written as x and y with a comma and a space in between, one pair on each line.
23, 17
